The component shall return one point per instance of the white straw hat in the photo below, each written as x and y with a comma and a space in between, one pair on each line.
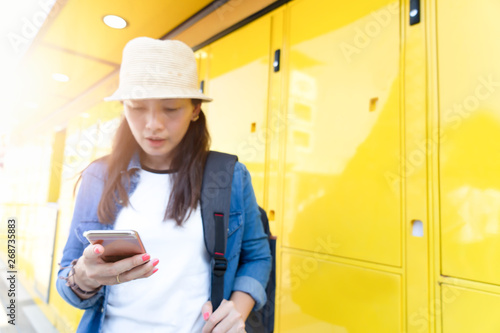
153, 69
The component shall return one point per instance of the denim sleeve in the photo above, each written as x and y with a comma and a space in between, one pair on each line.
255, 257
86, 202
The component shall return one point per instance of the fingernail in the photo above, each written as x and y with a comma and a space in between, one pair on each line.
155, 262
146, 257
96, 250
206, 315
154, 271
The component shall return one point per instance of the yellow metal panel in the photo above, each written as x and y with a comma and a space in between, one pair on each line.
469, 80
322, 296
56, 166
433, 172
466, 311
275, 165
238, 76
202, 64
276, 124
344, 129
417, 151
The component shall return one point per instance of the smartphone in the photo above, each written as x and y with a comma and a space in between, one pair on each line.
118, 244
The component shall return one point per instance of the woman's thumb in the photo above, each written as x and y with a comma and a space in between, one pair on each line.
93, 251
206, 310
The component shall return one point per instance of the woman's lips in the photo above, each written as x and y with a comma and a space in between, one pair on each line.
156, 142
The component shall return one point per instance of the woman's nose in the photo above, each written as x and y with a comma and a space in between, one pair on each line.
154, 120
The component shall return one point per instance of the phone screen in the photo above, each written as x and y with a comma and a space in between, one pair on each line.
118, 244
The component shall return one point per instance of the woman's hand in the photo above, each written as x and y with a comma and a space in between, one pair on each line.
91, 271
225, 319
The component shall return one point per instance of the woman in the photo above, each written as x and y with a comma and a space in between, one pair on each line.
151, 183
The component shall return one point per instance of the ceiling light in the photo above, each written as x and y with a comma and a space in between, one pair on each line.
60, 77
114, 21
85, 115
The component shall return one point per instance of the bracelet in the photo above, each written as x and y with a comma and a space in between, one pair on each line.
74, 286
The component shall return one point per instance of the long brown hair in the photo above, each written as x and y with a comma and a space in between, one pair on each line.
188, 160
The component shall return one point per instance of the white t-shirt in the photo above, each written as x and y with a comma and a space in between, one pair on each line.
171, 299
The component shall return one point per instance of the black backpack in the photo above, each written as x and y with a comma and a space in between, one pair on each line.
215, 201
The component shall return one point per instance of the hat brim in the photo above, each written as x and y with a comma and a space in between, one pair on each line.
156, 93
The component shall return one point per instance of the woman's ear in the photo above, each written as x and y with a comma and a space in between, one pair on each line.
196, 112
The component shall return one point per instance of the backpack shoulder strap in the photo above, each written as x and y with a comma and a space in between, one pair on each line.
215, 202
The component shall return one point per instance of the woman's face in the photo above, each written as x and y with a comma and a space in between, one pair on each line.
158, 125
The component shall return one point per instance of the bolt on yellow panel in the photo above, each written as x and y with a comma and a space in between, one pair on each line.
469, 96
343, 141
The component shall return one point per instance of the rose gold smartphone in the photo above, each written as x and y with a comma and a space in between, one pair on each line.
118, 244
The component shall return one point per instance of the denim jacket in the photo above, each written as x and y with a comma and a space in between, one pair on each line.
248, 254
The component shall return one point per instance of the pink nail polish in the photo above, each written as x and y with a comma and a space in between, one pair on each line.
155, 262
146, 257
96, 250
154, 271
206, 315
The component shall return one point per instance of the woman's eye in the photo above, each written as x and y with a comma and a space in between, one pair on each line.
169, 109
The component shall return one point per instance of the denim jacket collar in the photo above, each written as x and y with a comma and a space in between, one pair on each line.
135, 162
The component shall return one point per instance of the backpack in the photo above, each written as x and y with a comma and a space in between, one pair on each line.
215, 200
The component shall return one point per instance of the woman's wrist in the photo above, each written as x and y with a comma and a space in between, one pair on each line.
83, 290
243, 303
79, 290
83, 281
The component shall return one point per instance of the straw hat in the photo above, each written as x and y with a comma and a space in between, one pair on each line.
153, 68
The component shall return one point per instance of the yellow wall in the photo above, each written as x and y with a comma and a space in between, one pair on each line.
333, 129
369, 126
366, 143
469, 160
